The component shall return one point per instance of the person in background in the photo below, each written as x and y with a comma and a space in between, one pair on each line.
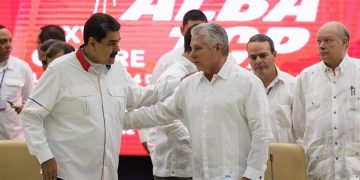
169, 145
326, 109
225, 107
190, 18
278, 85
58, 49
16, 83
73, 120
43, 48
48, 32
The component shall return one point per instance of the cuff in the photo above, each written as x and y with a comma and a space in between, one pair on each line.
253, 173
44, 155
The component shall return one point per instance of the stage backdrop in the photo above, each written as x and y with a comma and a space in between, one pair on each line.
149, 28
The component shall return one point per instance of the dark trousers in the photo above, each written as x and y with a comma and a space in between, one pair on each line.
172, 178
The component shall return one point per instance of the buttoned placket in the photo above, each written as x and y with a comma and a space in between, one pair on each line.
335, 119
207, 89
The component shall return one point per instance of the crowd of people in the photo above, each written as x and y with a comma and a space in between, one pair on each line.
202, 117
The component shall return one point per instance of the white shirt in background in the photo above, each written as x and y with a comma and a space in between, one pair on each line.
16, 86
326, 114
228, 122
279, 93
169, 145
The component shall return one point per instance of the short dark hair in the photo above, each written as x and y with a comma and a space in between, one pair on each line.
46, 44
187, 39
57, 47
51, 32
262, 38
98, 25
194, 15
2, 27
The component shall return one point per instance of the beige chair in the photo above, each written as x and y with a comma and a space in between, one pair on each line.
16, 163
286, 162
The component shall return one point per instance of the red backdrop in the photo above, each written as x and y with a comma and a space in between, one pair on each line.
149, 28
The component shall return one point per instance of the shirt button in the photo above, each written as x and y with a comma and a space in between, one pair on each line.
334, 112
337, 158
334, 97
336, 143
335, 128
334, 82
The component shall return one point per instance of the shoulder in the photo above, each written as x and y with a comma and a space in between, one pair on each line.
18, 62
286, 77
315, 68
64, 61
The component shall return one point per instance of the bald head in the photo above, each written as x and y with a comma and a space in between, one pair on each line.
340, 28
333, 40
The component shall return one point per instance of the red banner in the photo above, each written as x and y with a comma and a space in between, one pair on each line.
150, 28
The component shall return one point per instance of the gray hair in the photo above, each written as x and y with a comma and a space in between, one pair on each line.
212, 34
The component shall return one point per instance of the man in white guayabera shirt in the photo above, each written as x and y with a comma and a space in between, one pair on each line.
226, 109
74, 118
16, 83
278, 85
326, 110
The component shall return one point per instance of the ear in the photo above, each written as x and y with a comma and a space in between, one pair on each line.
218, 47
92, 41
182, 28
275, 53
346, 41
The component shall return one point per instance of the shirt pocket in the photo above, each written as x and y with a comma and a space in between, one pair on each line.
283, 116
355, 102
352, 158
14, 86
116, 98
317, 162
83, 100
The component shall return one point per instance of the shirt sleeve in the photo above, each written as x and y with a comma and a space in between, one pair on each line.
33, 114
158, 114
299, 113
139, 96
257, 114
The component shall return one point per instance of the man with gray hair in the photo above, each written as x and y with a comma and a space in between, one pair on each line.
224, 107
326, 109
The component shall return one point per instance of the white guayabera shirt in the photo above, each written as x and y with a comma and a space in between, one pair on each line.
17, 83
227, 118
279, 93
76, 115
169, 145
327, 119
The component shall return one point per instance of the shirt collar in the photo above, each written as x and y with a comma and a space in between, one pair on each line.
278, 78
9, 64
226, 68
85, 62
342, 66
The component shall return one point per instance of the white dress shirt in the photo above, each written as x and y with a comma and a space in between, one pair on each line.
80, 119
279, 93
228, 122
327, 119
162, 64
169, 145
166, 61
17, 83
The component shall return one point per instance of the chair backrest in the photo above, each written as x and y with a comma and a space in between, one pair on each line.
286, 162
16, 163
